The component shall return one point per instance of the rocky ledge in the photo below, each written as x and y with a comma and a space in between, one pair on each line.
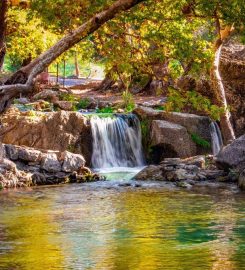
186, 172
24, 166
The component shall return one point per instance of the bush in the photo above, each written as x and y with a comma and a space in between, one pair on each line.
83, 103
67, 97
179, 100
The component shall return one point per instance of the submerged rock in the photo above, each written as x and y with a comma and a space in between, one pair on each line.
187, 171
151, 172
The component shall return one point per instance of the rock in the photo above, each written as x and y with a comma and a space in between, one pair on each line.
11, 152
232, 155
232, 69
213, 174
50, 163
241, 180
46, 94
72, 162
172, 139
183, 184
14, 152
151, 172
22, 101
11, 177
84, 170
31, 155
193, 123
198, 161
59, 131
179, 175
64, 105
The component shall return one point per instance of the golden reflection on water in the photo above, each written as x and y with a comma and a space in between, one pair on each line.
69, 228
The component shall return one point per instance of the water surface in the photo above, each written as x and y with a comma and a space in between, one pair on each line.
109, 226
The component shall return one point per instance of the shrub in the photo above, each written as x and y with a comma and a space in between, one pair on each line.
83, 103
178, 100
67, 97
128, 101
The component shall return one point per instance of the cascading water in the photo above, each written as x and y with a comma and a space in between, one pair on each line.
116, 141
217, 142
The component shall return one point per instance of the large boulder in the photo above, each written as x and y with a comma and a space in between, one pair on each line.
232, 155
58, 131
172, 139
193, 123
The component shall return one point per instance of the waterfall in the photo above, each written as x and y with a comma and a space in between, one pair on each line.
116, 141
217, 142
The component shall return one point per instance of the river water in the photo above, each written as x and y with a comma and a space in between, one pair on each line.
109, 225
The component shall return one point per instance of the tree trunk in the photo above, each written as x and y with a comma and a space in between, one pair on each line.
22, 81
3, 11
77, 70
218, 86
107, 83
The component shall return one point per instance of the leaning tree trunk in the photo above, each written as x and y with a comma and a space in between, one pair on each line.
218, 86
22, 81
3, 11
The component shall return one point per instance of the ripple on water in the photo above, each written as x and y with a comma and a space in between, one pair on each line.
91, 226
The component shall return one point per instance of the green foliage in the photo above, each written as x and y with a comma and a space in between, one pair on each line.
67, 97
26, 37
128, 101
200, 141
145, 131
160, 108
180, 100
105, 110
71, 148
83, 103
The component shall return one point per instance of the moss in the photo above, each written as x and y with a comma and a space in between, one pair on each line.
200, 141
145, 131
71, 148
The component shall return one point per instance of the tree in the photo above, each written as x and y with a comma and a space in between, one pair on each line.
3, 11
22, 81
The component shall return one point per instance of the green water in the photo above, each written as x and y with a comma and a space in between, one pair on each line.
104, 226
